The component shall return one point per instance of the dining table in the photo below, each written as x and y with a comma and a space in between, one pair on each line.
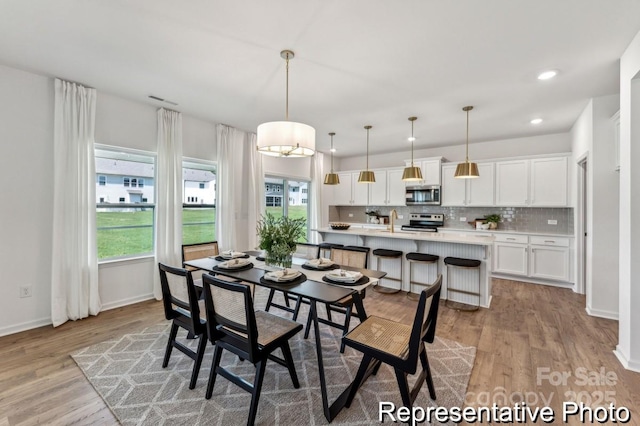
314, 290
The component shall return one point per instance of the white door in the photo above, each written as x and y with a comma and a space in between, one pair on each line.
453, 189
481, 191
510, 258
549, 182
512, 183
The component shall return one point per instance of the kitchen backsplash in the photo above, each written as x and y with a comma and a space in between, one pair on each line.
521, 219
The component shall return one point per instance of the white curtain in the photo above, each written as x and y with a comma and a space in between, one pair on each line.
240, 184
315, 209
169, 190
74, 272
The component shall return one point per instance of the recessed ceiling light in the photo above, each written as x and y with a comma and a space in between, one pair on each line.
547, 75
411, 139
536, 121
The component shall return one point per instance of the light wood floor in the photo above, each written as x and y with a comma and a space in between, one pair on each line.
527, 328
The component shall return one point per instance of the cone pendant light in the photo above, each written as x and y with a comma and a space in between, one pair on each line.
331, 178
467, 170
412, 173
367, 176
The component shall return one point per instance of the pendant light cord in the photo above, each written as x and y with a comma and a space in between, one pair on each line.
412, 143
286, 114
367, 149
467, 156
331, 154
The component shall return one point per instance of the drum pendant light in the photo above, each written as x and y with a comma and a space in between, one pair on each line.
286, 138
467, 170
367, 176
331, 178
412, 173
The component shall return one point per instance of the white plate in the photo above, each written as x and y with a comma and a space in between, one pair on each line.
344, 276
321, 263
231, 254
282, 276
234, 263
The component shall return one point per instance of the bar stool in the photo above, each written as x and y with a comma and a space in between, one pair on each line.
458, 262
384, 254
324, 247
420, 258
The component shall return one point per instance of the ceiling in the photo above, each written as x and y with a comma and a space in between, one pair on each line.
356, 62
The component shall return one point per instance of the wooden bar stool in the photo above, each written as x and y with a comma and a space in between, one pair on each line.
384, 254
458, 262
420, 258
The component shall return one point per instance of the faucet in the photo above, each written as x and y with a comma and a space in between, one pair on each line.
391, 217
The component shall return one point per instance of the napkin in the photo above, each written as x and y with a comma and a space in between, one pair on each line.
230, 254
284, 275
344, 276
320, 263
234, 263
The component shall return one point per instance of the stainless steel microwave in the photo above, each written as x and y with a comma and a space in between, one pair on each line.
423, 195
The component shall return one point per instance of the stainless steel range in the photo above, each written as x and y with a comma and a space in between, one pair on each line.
424, 222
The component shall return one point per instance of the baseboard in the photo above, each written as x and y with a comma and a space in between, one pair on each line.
530, 280
24, 326
129, 301
626, 363
601, 313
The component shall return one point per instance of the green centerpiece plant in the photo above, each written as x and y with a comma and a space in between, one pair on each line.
278, 237
492, 220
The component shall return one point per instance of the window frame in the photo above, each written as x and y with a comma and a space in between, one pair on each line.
208, 165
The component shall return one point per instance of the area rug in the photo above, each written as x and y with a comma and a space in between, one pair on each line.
127, 373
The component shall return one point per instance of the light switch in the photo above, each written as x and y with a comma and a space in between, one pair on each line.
350, 214
400, 216
463, 219
552, 222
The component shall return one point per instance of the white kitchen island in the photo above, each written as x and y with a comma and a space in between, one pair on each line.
468, 246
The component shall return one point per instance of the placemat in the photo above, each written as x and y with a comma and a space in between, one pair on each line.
242, 268
328, 268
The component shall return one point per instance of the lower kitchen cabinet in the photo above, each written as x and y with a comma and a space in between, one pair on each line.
510, 258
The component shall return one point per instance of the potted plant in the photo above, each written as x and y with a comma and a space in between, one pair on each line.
492, 220
278, 238
373, 216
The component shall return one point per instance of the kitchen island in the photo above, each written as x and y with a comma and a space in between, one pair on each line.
467, 246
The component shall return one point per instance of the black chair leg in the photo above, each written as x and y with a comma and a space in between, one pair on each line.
202, 345
328, 307
286, 299
269, 300
255, 394
172, 339
296, 310
364, 364
286, 352
347, 322
425, 366
308, 327
405, 392
217, 354
375, 370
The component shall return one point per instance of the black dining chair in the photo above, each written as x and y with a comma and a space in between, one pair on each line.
181, 305
234, 325
399, 345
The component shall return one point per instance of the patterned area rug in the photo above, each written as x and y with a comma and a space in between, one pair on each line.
127, 373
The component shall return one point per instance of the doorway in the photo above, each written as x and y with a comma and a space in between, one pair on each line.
582, 242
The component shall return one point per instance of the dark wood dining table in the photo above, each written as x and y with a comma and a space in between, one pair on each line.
315, 292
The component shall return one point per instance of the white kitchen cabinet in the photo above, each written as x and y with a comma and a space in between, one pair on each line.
549, 182
512, 183
481, 190
430, 169
549, 258
454, 192
378, 189
511, 254
349, 192
396, 187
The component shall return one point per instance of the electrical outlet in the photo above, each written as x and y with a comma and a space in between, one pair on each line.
350, 214
552, 222
400, 216
25, 291
463, 219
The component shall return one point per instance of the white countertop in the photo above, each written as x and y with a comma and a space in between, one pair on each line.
444, 237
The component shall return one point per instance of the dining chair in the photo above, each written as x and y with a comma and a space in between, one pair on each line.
198, 251
234, 325
181, 305
355, 256
399, 346
306, 251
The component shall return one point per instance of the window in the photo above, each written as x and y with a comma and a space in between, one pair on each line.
199, 205
124, 229
140, 183
295, 207
102, 180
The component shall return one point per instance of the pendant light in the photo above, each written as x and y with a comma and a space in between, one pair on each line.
286, 138
412, 173
467, 170
331, 178
367, 176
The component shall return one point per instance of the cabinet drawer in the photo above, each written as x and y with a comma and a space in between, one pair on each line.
511, 238
549, 241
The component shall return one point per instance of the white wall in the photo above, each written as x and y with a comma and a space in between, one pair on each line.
534, 145
628, 349
26, 173
593, 137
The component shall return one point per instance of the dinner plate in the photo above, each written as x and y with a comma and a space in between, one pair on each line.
363, 280
242, 265
297, 280
221, 257
325, 267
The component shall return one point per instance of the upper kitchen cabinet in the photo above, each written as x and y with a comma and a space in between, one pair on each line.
454, 191
549, 182
481, 190
512, 183
430, 168
388, 189
349, 192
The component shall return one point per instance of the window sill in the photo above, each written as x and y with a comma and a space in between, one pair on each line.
125, 260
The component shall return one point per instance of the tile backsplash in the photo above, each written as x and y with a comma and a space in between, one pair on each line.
521, 219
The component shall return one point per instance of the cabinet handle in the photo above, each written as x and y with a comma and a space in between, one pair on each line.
511, 239
549, 241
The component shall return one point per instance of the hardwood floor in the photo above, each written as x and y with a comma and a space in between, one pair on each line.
530, 330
